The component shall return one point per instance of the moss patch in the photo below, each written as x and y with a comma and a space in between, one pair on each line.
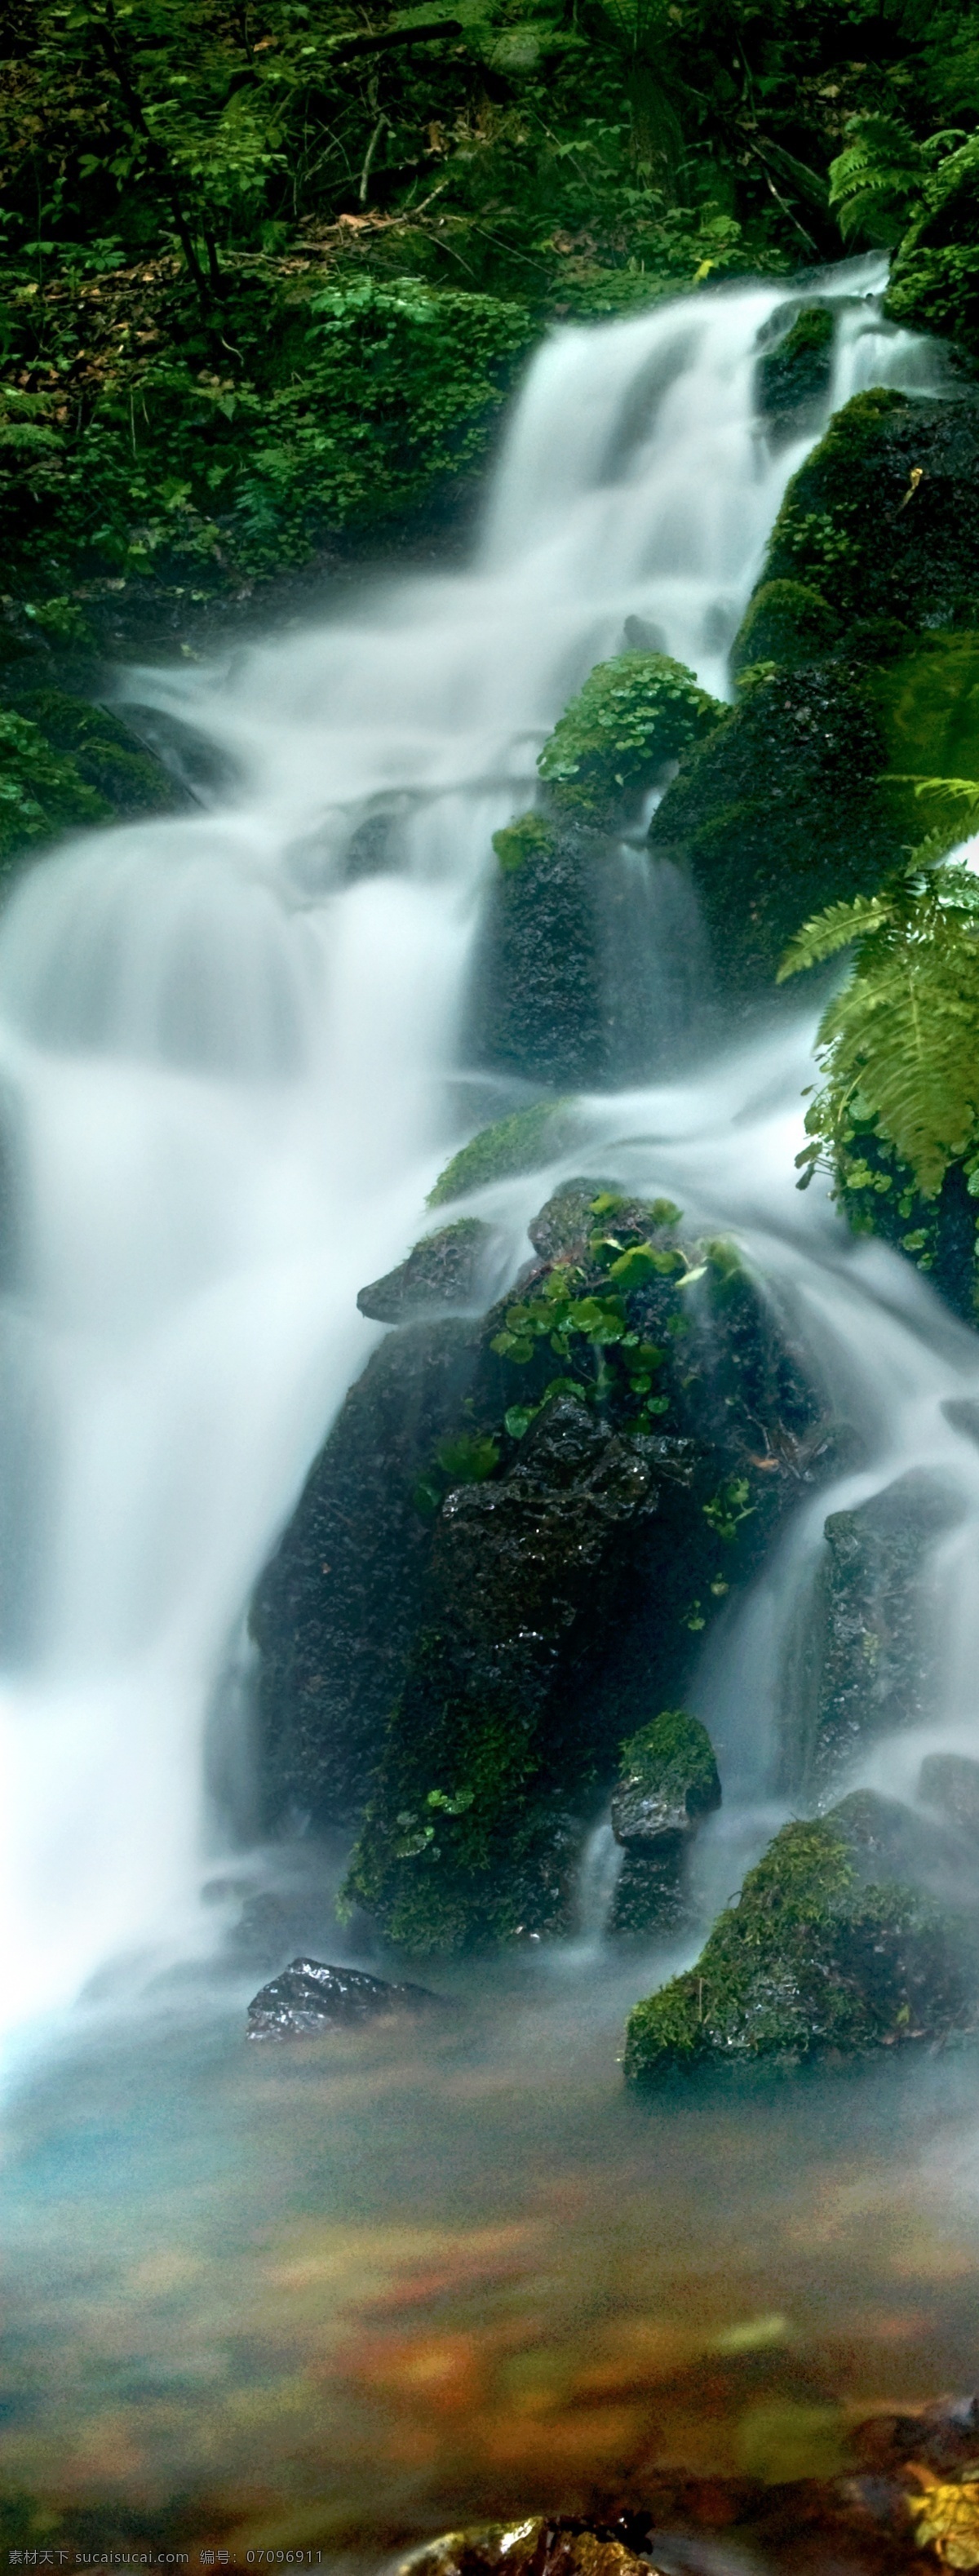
786, 622
809, 1961
515, 1144
530, 837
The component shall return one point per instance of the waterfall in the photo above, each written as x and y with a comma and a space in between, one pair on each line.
230, 1049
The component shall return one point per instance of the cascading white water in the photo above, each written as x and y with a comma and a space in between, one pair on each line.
227, 1046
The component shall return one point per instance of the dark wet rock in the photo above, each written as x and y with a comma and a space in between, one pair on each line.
794, 370
668, 1782
565, 1224
873, 1653
813, 1959
536, 1006
441, 1272
335, 1613
310, 1997
950, 1783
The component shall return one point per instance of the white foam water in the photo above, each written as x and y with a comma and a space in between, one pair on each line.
230, 1047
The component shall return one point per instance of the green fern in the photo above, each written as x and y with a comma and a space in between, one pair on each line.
876, 183
899, 1043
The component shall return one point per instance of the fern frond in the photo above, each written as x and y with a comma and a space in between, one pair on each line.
900, 1040
879, 174
827, 932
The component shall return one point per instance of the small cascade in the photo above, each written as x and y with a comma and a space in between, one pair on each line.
229, 1057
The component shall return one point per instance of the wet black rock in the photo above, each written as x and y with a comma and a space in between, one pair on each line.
950, 1783
441, 1272
310, 1997
873, 1650
336, 1610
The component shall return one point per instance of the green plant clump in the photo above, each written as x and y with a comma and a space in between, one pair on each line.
519, 1143
808, 1961
42, 792
632, 716
530, 837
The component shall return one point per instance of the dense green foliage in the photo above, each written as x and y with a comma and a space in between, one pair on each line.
632, 716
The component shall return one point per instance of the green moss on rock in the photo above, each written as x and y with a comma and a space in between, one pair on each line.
519, 1143
786, 622
810, 1960
668, 1779
530, 837
632, 716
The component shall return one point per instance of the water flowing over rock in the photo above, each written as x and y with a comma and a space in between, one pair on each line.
235, 1058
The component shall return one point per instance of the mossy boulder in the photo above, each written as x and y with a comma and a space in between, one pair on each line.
811, 1961
633, 715
444, 1270
610, 1503
786, 622
780, 813
667, 1783
537, 1006
883, 517
668, 1779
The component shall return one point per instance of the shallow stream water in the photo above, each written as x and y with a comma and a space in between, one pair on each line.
360, 2292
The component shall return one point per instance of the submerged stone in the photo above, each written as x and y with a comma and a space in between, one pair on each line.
813, 1959
440, 1272
310, 1997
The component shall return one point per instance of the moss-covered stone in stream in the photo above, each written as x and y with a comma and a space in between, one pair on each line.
537, 1001
616, 1404
883, 516
632, 716
519, 1143
811, 1960
859, 642
668, 1781
788, 623
780, 813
